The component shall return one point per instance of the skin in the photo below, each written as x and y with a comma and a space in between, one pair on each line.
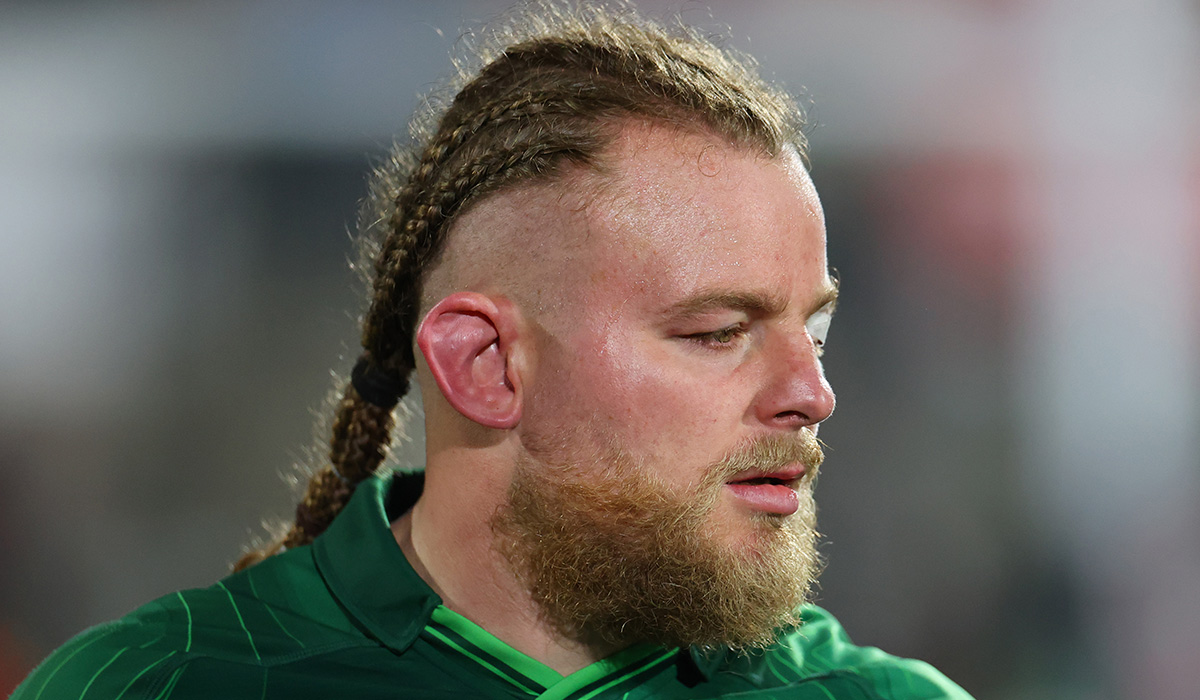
667, 307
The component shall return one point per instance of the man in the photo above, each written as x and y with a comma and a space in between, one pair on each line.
606, 266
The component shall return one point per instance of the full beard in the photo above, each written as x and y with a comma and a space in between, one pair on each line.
613, 557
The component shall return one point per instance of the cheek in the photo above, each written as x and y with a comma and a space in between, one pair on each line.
597, 392
613, 387
658, 402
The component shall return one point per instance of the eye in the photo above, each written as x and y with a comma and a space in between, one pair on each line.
722, 338
817, 325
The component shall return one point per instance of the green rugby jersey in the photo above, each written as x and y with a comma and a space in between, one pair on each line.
347, 617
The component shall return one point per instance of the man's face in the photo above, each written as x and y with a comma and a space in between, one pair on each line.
690, 332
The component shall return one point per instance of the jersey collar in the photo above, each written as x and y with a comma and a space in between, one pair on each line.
368, 574
364, 567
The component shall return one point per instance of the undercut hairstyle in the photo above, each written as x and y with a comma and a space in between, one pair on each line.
551, 87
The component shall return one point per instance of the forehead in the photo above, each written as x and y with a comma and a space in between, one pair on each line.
677, 211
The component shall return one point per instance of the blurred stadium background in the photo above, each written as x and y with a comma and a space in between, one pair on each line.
1013, 195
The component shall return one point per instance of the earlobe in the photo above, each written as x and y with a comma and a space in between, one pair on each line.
467, 340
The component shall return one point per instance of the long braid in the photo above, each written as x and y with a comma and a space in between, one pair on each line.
544, 99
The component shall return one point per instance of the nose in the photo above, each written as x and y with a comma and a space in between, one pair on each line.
795, 394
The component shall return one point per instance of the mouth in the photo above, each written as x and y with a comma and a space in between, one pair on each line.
787, 476
769, 492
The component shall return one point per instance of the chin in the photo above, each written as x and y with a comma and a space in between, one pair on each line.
745, 532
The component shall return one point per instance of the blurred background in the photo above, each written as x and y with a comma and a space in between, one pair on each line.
1013, 196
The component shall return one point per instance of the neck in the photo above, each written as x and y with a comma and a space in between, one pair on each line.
448, 540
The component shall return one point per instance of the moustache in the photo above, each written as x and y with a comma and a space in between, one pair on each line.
771, 453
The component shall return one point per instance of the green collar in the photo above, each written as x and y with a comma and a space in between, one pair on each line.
630, 667
369, 575
365, 569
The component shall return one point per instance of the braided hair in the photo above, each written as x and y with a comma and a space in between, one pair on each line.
553, 84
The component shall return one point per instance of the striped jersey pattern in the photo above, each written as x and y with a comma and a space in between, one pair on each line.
347, 617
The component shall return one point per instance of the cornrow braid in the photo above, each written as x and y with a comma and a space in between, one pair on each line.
553, 87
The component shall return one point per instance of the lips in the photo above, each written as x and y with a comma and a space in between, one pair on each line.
768, 491
787, 476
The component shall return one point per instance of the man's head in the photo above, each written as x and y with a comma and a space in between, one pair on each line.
617, 262
657, 364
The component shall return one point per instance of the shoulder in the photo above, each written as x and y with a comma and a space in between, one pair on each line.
133, 657
820, 652
224, 636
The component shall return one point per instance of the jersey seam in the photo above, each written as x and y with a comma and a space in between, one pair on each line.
164, 671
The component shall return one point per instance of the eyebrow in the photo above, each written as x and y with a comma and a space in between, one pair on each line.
750, 302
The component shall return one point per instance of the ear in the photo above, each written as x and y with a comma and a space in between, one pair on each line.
467, 340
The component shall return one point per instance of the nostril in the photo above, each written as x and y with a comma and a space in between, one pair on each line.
795, 418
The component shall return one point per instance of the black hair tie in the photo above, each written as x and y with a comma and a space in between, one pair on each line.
375, 385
